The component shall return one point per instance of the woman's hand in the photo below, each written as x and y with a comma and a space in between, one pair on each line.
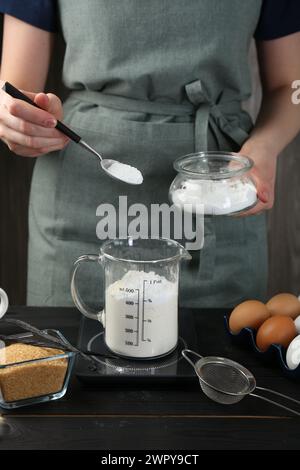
29, 131
263, 174
279, 118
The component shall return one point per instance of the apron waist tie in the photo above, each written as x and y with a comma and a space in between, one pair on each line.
204, 110
124, 103
214, 114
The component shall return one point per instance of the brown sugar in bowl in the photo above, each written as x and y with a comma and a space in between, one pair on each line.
28, 372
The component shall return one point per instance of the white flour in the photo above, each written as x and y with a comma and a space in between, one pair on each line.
217, 197
141, 315
126, 173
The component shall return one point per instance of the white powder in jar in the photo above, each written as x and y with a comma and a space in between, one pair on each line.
218, 197
141, 315
126, 173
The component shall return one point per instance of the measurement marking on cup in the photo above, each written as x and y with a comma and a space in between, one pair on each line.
138, 318
143, 316
130, 316
147, 320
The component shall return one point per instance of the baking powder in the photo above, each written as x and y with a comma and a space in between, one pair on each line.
217, 197
126, 173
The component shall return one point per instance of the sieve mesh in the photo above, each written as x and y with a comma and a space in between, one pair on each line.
223, 382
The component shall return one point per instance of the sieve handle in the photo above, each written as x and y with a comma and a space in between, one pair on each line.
279, 405
185, 353
263, 389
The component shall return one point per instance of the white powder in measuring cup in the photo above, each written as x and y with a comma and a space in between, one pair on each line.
126, 173
141, 315
218, 197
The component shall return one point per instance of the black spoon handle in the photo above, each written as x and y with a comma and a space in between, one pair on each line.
45, 336
15, 93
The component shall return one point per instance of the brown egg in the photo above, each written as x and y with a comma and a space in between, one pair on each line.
276, 330
250, 313
284, 304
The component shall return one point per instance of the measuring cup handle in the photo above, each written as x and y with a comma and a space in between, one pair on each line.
80, 304
3, 303
185, 353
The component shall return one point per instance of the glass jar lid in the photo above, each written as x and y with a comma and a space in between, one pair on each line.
213, 165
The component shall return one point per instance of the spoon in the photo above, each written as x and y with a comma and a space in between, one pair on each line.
48, 340
112, 168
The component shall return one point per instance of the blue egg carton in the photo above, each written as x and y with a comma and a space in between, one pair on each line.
275, 354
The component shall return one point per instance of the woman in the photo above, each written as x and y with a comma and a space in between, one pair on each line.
132, 67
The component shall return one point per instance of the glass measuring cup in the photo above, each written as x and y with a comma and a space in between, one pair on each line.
141, 295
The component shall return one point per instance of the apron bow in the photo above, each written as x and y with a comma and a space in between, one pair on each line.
214, 115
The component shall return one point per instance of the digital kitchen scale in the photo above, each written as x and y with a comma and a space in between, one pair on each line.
110, 369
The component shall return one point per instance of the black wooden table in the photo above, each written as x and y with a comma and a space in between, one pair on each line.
162, 418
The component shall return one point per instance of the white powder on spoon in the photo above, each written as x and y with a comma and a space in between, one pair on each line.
126, 173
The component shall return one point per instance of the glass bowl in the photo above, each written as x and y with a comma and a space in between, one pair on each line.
37, 380
213, 183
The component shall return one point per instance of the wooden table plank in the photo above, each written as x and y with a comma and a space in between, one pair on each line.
160, 433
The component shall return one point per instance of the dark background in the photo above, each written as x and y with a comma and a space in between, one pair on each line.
15, 176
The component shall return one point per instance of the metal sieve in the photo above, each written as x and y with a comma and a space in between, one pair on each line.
227, 382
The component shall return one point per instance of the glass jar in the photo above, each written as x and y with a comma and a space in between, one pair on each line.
213, 183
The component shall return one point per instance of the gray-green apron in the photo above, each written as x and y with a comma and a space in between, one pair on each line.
151, 80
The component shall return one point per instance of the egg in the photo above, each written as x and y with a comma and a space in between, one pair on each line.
293, 353
251, 313
284, 304
297, 324
276, 330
